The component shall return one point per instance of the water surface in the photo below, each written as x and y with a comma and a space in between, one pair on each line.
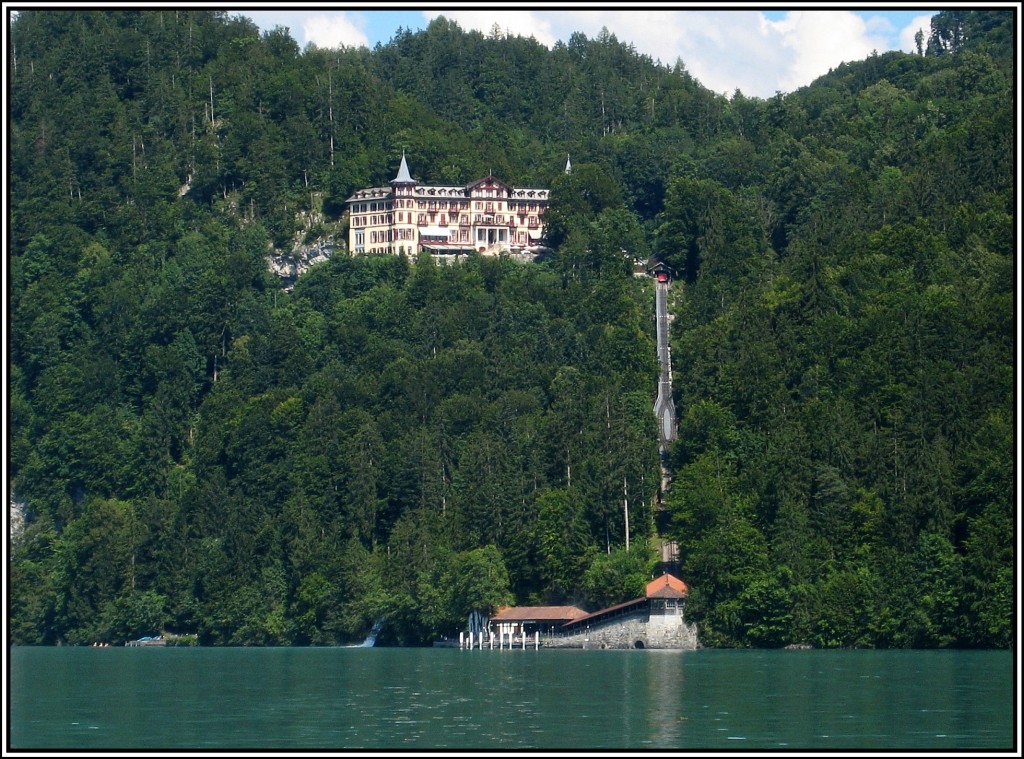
383, 698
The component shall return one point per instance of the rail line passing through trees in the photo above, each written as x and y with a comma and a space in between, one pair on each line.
665, 411
664, 407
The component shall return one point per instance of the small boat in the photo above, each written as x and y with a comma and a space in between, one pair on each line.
147, 640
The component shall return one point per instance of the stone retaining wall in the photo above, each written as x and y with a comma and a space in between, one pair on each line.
632, 632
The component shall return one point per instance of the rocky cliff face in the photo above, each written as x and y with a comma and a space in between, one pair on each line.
16, 510
316, 241
292, 264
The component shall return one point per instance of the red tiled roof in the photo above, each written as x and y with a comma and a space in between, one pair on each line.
666, 586
538, 614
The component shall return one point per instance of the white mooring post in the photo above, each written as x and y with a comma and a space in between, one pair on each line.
461, 642
524, 638
490, 640
536, 640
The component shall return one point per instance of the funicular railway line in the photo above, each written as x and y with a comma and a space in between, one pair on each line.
664, 407
664, 410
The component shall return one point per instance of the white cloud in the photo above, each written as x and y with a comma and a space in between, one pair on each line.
724, 50
907, 42
820, 40
331, 31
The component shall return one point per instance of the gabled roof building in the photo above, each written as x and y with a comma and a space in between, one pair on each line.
486, 216
654, 620
519, 620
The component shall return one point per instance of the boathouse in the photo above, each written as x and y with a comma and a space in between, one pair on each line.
655, 620
516, 621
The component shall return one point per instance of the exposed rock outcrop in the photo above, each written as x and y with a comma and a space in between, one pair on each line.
16, 510
293, 264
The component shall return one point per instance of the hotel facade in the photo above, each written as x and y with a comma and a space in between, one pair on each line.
487, 216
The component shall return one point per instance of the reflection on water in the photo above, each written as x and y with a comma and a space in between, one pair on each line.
666, 698
373, 698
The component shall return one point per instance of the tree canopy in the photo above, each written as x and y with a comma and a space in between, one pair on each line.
194, 448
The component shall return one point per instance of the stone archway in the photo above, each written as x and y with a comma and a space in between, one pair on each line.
638, 644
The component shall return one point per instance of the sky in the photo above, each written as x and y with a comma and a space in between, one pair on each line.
758, 51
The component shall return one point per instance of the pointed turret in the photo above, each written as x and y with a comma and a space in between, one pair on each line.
403, 173
568, 164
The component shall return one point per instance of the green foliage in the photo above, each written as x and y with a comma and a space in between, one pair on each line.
475, 580
200, 451
577, 198
133, 615
618, 576
564, 540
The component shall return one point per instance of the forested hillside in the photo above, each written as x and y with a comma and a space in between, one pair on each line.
194, 449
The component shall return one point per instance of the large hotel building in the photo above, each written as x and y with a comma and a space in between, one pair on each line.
487, 216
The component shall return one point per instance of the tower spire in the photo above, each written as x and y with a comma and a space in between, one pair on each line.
403, 172
568, 164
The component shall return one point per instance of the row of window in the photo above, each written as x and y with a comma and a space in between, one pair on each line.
368, 207
522, 207
484, 236
421, 219
372, 221
456, 205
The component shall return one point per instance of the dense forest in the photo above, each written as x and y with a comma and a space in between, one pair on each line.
194, 448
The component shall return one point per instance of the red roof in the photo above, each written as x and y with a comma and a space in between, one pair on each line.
666, 586
538, 614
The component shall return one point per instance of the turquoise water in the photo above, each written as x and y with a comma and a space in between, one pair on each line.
381, 698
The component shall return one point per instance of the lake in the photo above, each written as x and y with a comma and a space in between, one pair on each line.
414, 699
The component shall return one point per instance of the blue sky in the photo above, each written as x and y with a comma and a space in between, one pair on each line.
759, 52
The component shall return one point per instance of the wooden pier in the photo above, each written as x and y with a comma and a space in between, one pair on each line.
489, 641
